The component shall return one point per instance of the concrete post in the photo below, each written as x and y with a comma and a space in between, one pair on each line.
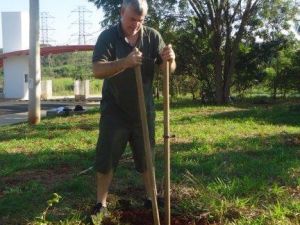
34, 82
81, 90
86, 88
77, 90
46, 89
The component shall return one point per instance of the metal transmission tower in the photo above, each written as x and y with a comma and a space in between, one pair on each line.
45, 40
81, 10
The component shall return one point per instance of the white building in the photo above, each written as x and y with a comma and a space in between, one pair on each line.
15, 32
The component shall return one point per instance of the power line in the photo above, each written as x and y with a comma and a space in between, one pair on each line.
45, 40
94, 37
82, 34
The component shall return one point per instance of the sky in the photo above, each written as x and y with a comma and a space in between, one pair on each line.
64, 21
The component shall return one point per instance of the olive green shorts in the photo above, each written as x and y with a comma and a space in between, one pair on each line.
114, 135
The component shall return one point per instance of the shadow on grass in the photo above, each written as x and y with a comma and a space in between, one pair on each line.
179, 103
277, 115
243, 103
44, 159
50, 128
250, 164
247, 166
28, 181
280, 113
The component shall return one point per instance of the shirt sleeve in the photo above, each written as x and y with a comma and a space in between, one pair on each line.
160, 44
104, 50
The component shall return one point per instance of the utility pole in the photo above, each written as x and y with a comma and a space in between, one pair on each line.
34, 82
45, 16
81, 10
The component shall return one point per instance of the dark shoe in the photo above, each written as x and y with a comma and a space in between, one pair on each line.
148, 203
99, 209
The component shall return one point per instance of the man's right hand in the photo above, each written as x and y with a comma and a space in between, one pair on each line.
111, 68
134, 58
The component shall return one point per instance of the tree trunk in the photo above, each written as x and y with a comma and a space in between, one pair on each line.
218, 69
274, 90
194, 96
228, 72
157, 93
219, 81
228, 62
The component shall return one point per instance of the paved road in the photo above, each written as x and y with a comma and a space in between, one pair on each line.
12, 112
11, 107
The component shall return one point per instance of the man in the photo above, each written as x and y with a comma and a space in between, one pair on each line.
118, 50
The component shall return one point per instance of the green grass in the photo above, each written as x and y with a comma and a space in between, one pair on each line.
262, 91
65, 86
240, 163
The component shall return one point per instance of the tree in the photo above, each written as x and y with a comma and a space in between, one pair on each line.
162, 12
272, 63
248, 72
222, 24
294, 71
254, 62
286, 69
227, 23
194, 61
163, 16
76, 65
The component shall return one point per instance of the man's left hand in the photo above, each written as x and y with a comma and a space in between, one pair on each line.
167, 53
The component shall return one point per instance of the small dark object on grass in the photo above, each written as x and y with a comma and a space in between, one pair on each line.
78, 108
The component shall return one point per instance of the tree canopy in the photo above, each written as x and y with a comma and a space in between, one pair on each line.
208, 35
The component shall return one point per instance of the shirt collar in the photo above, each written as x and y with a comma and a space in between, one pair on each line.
120, 31
122, 35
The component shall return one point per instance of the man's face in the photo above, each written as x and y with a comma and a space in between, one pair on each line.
131, 21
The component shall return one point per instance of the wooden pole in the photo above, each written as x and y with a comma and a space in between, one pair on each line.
150, 167
34, 81
167, 143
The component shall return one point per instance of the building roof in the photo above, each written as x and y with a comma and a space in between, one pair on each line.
48, 50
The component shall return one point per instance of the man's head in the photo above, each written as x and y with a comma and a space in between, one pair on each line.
139, 6
133, 13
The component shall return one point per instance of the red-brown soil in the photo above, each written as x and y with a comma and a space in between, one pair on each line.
144, 217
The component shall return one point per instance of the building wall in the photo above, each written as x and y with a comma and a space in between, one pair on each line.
16, 79
15, 30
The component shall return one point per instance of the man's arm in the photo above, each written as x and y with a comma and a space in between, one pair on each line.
105, 69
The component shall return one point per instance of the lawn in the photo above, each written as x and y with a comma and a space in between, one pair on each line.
236, 164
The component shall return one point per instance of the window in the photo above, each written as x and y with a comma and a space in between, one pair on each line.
26, 78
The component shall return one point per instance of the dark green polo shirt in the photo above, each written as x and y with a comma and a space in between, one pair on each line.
119, 93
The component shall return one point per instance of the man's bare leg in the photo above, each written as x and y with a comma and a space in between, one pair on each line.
103, 182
